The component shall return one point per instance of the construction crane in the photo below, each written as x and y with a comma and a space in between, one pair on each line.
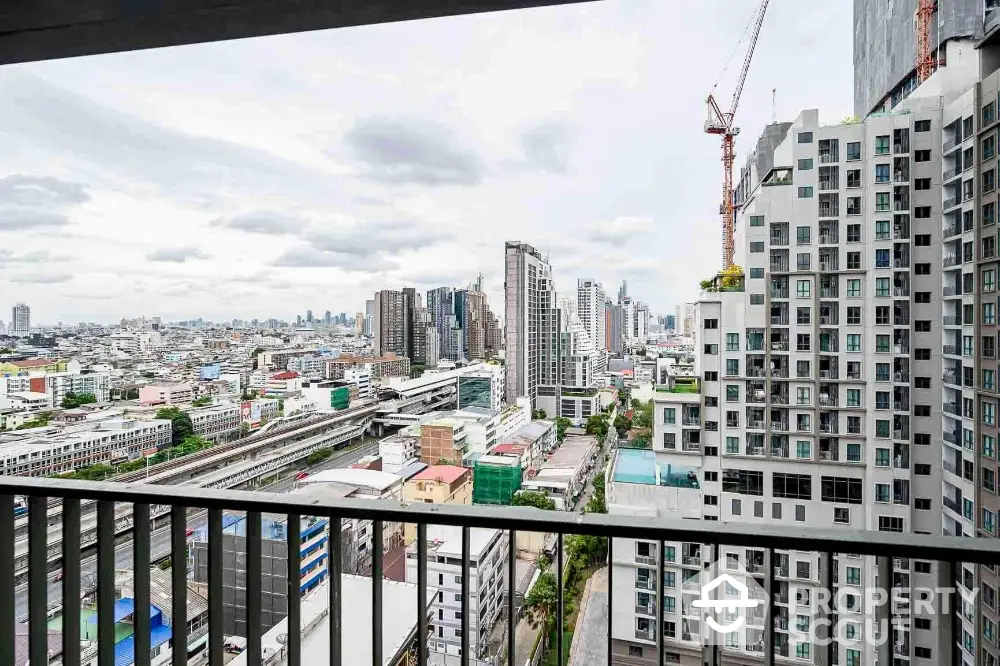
925, 61
721, 123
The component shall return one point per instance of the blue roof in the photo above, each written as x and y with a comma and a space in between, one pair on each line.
411, 470
125, 648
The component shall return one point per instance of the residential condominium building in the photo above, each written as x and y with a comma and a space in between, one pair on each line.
389, 365
20, 321
218, 423
487, 572
531, 324
390, 323
165, 394
590, 307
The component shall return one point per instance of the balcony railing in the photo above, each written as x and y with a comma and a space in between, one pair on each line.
302, 612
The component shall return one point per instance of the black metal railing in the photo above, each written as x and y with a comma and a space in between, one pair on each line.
771, 539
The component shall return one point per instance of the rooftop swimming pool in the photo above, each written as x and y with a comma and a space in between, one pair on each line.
641, 466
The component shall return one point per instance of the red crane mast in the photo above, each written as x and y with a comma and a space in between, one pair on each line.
721, 123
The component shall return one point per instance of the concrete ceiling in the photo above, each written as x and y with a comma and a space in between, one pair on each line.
46, 29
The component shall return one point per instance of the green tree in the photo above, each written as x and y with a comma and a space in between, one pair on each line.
622, 424
537, 500
203, 401
540, 603
244, 429
539, 414
642, 414
597, 502
416, 371
180, 424
598, 425
585, 549
561, 425
73, 400
147, 374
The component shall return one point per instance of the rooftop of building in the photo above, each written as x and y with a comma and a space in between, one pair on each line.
443, 540
571, 452
34, 362
286, 375
530, 431
399, 619
504, 461
368, 478
441, 474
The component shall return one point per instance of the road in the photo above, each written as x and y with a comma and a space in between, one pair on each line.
159, 539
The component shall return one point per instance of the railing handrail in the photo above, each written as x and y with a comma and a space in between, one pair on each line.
977, 550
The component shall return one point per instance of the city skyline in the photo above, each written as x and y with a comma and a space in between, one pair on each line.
591, 153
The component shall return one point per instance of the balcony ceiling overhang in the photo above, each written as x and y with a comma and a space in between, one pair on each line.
47, 29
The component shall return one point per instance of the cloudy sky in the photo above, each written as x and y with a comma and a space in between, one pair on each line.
262, 177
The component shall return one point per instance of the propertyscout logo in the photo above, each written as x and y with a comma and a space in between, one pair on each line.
735, 608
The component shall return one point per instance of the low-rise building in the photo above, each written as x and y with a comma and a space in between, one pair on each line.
513, 418
389, 365
437, 484
443, 441
564, 474
217, 423
47, 451
487, 585
362, 378
483, 387
536, 439
165, 394
284, 384
27, 401
59, 384
400, 449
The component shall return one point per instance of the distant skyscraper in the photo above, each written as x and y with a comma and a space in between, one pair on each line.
389, 323
20, 320
309, 316
327, 318
531, 329
359, 322
298, 320
590, 300
622, 291
670, 322
441, 311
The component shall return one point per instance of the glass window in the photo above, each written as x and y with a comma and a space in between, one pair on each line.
882, 286
882, 144
881, 173
881, 201
669, 415
802, 235
854, 288
854, 150
756, 220
805, 192
881, 229
854, 397
802, 288
732, 341
805, 164
853, 342
802, 450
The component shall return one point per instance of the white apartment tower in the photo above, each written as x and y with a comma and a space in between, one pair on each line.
821, 396
531, 324
20, 320
590, 306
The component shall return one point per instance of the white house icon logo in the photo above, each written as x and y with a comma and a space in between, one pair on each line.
719, 605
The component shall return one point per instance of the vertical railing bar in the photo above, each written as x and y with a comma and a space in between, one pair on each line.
377, 593
560, 605
70, 582
7, 575
511, 591
611, 587
421, 594
254, 621
105, 583
955, 573
658, 599
828, 568
178, 584
466, 595
294, 590
140, 581
215, 606
38, 579
335, 567
771, 555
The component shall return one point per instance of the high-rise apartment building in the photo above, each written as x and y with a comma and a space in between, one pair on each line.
390, 323
615, 328
20, 320
531, 324
590, 306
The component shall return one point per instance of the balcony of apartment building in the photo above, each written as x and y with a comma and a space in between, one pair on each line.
779, 317
691, 416
901, 427
952, 287
829, 314
779, 446
901, 456
901, 169
968, 190
901, 198
829, 178
779, 234
779, 367
755, 365
754, 444
779, 261
754, 340
829, 342
953, 437
901, 226
829, 232
828, 204
755, 418
691, 441
828, 287
828, 395
829, 367
779, 336
779, 286
900, 255
901, 315
901, 398
779, 393
779, 420
829, 449
828, 423
829, 261
901, 141
952, 373
828, 151
952, 226
951, 313
755, 392
900, 285
952, 194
